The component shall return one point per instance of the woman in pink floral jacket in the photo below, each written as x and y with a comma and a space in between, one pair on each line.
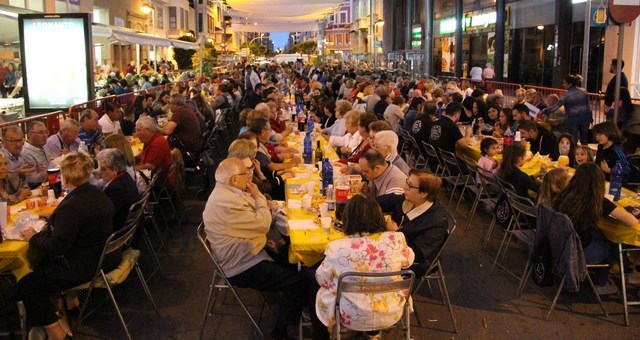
369, 248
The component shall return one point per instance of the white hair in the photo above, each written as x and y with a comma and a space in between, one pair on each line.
229, 168
387, 138
148, 123
263, 107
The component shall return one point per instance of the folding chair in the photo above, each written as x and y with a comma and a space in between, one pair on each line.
164, 194
552, 224
625, 299
503, 212
522, 209
433, 157
219, 281
120, 239
149, 216
354, 283
435, 272
453, 172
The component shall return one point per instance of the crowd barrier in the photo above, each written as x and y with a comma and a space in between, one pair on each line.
52, 120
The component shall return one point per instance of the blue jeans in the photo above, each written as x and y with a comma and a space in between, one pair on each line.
598, 251
579, 127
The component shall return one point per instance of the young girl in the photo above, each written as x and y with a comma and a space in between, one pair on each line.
609, 151
488, 148
512, 159
553, 183
583, 155
566, 147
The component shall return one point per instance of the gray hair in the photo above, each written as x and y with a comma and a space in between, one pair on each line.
11, 128
178, 99
32, 125
242, 148
86, 114
69, 123
229, 168
387, 138
113, 158
262, 107
148, 123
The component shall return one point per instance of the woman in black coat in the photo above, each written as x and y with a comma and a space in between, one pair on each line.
77, 232
119, 186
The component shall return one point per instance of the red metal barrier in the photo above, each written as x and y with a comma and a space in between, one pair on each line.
51, 119
100, 104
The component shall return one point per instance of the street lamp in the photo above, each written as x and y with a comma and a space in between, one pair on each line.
148, 9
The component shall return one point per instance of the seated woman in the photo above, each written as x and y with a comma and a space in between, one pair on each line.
583, 201
339, 127
12, 189
119, 186
513, 158
505, 120
609, 150
419, 216
78, 230
121, 143
349, 142
369, 248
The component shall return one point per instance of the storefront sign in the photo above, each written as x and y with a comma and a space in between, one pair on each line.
472, 21
483, 20
448, 26
599, 17
416, 37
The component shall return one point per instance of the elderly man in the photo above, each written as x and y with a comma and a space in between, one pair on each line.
237, 219
90, 132
34, 154
386, 142
110, 121
384, 178
184, 125
155, 153
12, 142
65, 141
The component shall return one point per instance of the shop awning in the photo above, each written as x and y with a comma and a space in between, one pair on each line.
104, 34
184, 44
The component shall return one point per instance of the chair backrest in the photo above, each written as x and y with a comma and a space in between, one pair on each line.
522, 205
430, 151
451, 227
506, 187
451, 162
202, 237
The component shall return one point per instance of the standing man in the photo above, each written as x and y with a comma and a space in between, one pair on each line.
110, 121
65, 141
33, 153
610, 94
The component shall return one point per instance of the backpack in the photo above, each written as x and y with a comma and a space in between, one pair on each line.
541, 271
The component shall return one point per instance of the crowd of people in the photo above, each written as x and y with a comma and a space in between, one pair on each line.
363, 116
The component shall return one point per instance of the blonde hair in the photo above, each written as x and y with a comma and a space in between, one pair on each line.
76, 168
352, 117
243, 148
254, 114
121, 143
368, 90
343, 106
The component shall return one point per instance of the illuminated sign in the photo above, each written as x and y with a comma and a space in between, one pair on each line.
56, 51
416, 37
472, 21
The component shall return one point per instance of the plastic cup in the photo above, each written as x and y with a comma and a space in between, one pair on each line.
42, 202
31, 204
311, 187
326, 224
324, 209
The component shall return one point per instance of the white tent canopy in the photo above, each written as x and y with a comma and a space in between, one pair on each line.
103, 34
279, 15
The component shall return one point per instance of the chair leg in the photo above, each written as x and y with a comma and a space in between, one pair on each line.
595, 292
23, 320
624, 287
464, 188
208, 306
247, 311
408, 322
146, 288
445, 297
495, 261
152, 252
555, 299
523, 280
115, 305
487, 237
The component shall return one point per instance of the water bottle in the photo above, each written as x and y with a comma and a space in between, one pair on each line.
508, 137
83, 147
310, 124
308, 149
327, 175
331, 197
615, 184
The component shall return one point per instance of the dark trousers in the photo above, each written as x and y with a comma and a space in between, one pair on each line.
579, 128
35, 291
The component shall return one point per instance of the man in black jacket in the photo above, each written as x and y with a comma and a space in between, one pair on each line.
255, 97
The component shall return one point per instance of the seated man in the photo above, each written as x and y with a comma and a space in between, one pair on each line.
184, 125
110, 121
12, 143
34, 154
386, 142
90, 130
155, 153
384, 178
237, 219
65, 141
542, 140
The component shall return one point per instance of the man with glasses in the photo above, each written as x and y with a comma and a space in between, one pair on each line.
65, 141
33, 153
12, 142
237, 219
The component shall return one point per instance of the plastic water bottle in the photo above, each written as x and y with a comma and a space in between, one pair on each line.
310, 124
308, 149
327, 175
615, 185
331, 197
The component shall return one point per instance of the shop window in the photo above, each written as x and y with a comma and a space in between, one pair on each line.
173, 22
338, 39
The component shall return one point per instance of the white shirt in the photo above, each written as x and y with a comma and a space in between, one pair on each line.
475, 73
109, 126
350, 141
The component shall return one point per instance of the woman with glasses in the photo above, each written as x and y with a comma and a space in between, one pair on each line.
419, 216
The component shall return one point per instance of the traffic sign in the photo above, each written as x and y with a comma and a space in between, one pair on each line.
624, 11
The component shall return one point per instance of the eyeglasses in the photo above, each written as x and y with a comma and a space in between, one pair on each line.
251, 169
43, 132
13, 141
245, 174
411, 186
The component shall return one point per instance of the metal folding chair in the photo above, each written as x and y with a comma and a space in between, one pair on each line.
120, 239
502, 212
357, 283
219, 281
435, 272
486, 191
625, 299
433, 157
453, 173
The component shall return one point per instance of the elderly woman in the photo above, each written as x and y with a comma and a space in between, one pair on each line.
12, 189
386, 142
339, 127
369, 247
349, 142
419, 216
119, 186
78, 230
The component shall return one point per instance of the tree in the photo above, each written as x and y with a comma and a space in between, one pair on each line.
182, 56
209, 60
307, 47
257, 49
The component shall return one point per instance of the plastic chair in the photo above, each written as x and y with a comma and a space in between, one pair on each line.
397, 282
120, 239
432, 156
557, 253
522, 209
435, 272
219, 281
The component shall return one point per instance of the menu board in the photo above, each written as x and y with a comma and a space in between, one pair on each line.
56, 52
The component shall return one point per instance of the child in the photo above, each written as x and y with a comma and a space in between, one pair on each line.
583, 155
609, 151
554, 182
488, 148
